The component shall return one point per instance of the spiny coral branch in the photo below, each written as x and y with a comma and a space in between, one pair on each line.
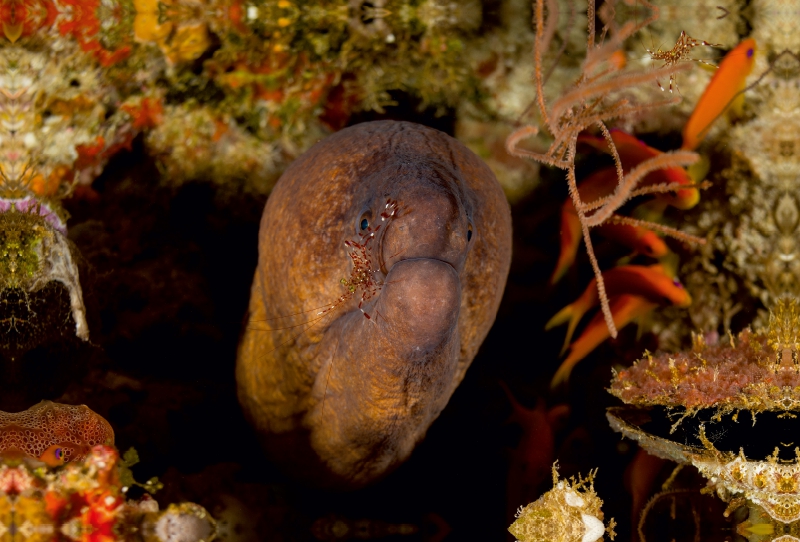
655, 226
667, 187
629, 181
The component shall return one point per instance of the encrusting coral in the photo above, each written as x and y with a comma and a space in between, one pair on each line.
265, 79
756, 371
750, 215
62, 478
35, 252
707, 389
570, 512
85, 501
69, 430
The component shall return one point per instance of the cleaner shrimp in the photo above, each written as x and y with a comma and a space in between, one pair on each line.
364, 283
679, 53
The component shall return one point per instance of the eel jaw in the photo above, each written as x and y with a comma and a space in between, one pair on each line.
421, 300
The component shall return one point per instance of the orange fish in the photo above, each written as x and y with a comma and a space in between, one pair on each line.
633, 152
54, 456
531, 460
601, 183
618, 59
624, 309
639, 479
727, 82
642, 240
649, 282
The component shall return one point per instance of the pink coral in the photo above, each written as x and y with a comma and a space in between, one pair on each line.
740, 375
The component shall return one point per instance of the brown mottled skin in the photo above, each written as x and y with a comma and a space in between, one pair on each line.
384, 379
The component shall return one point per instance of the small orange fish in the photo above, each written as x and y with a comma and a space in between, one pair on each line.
649, 282
618, 59
55, 455
633, 152
728, 80
570, 241
52, 433
639, 480
598, 184
530, 462
641, 240
624, 309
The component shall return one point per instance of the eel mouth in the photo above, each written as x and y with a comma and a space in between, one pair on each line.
435, 227
421, 298
414, 262
420, 257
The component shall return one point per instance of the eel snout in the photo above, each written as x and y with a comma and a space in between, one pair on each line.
430, 223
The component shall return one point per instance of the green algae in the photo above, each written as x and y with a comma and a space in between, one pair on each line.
21, 248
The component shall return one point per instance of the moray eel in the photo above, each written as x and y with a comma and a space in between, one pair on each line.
383, 255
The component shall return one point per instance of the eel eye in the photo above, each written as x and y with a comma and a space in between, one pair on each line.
364, 221
469, 232
59, 453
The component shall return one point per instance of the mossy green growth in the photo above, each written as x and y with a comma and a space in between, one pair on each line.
129, 459
22, 237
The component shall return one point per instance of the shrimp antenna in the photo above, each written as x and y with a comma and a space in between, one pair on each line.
323, 308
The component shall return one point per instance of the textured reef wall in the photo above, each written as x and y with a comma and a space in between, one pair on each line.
145, 118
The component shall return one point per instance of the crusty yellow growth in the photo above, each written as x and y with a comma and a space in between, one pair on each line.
570, 512
754, 371
782, 333
772, 484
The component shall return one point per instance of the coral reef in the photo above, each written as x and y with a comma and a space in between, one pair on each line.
69, 432
769, 483
749, 217
232, 92
263, 81
85, 501
707, 390
35, 252
61, 478
740, 374
567, 513
759, 526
